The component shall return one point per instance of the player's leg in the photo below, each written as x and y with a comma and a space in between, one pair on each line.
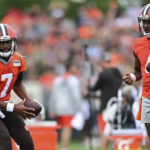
145, 114
104, 142
147, 143
18, 131
5, 141
148, 129
101, 126
66, 131
105, 136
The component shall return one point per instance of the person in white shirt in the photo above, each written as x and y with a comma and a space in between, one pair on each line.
65, 101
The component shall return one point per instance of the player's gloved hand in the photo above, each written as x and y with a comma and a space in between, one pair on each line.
128, 79
26, 113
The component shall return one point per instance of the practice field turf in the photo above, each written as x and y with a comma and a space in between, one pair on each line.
75, 145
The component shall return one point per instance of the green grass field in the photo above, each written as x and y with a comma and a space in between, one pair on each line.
75, 145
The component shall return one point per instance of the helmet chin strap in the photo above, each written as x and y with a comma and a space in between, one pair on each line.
5, 54
143, 31
146, 34
10, 52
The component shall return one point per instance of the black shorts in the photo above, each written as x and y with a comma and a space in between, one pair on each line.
13, 126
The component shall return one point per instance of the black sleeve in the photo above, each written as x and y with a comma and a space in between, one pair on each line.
100, 82
20, 76
137, 67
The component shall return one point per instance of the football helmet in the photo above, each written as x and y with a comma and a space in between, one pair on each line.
7, 35
144, 21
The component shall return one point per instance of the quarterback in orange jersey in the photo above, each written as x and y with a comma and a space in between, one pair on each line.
12, 66
141, 51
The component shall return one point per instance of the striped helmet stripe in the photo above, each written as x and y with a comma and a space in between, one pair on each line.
6, 31
146, 9
1, 31
141, 13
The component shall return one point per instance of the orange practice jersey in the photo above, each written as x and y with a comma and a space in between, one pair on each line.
141, 48
9, 73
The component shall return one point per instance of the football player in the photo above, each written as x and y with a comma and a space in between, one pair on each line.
141, 52
12, 66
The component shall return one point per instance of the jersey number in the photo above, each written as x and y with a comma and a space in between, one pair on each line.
3, 78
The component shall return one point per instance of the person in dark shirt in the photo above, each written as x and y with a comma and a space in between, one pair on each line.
109, 81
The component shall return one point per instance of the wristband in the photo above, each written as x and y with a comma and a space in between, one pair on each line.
10, 107
133, 76
2, 115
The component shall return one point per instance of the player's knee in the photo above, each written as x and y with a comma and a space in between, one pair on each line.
5, 143
7, 146
29, 146
26, 145
26, 142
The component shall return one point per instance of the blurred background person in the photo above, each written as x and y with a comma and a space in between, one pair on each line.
119, 114
109, 81
46, 81
65, 101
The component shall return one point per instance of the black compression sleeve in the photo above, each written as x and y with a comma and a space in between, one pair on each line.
20, 76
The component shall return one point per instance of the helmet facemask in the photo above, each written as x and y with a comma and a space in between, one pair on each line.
144, 26
144, 21
7, 42
7, 48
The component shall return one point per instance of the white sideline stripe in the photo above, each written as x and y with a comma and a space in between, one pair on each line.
127, 132
42, 123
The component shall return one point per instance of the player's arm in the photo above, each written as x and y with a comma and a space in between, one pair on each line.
3, 105
19, 108
19, 88
99, 83
129, 78
137, 68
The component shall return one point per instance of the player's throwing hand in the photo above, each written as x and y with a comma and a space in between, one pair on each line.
129, 78
25, 112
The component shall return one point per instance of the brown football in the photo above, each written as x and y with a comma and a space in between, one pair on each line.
33, 104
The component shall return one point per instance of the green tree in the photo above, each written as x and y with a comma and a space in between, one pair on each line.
5, 5
144, 2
